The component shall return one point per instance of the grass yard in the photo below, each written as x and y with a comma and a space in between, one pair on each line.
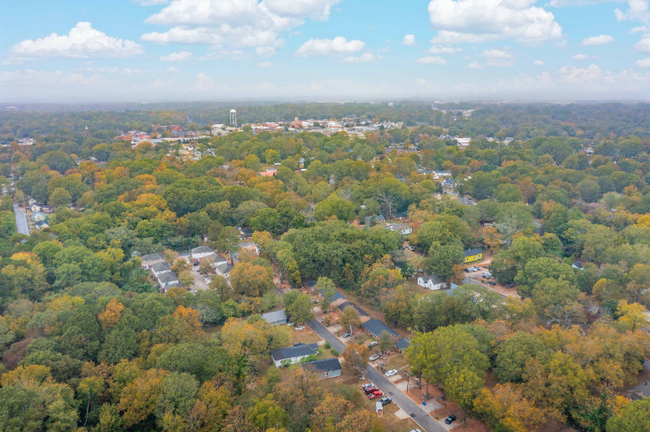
395, 361
305, 336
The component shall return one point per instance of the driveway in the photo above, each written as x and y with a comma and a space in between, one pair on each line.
424, 420
21, 221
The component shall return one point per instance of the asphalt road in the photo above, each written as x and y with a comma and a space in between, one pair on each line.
21, 221
424, 420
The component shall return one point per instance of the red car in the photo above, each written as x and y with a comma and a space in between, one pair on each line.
376, 394
372, 389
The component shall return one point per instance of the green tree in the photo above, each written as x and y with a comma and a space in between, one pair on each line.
326, 288
442, 259
265, 414
228, 241
89, 389
300, 309
635, 417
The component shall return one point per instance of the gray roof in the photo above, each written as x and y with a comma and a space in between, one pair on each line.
202, 249
273, 317
402, 344
153, 257
470, 252
377, 327
224, 268
326, 365
342, 306
294, 351
643, 388
167, 277
378, 218
400, 227
433, 278
160, 266
310, 283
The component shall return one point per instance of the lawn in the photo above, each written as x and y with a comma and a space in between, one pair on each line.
395, 361
306, 336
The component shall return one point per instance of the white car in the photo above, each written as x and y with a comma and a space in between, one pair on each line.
375, 357
391, 372
300, 328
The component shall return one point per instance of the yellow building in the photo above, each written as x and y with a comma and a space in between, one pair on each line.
472, 255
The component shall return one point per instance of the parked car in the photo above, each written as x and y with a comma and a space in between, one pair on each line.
391, 372
371, 389
450, 419
291, 324
366, 385
208, 280
468, 270
385, 400
376, 394
373, 344
416, 430
298, 344
374, 357
491, 283
347, 335
300, 328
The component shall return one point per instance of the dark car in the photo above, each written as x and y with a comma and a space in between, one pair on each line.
298, 344
450, 419
385, 400
347, 335
491, 283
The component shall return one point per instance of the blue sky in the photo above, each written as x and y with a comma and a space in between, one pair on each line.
157, 50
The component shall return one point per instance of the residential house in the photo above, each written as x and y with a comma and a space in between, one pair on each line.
463, 142
324, 368
431, 282
275, 318
310, 283
402, 344
201, 252
472, 255
378, 218
165, 279
403, 229
376, 328
42, 208
150, 259
448, 183
292, 355
39, 216
439, 175
159, 268
578, 266
223, 269
639, 391
361, 312
41, 224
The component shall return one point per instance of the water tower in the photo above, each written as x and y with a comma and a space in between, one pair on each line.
233, 118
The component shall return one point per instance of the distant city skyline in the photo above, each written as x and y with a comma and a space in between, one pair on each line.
81, 51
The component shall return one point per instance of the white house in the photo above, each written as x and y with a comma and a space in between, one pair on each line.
166, 279
403, 229
437, 175
431, 282
201, 252
463, 142
292, 355
159, 268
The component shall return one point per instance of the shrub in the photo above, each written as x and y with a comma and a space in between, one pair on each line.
328, 345
335, 352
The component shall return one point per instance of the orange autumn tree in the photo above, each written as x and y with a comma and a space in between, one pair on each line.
111, 315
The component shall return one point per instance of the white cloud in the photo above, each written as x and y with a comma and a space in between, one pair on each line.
409, 39
538, 63
159, 83
53, 80
420, 81
439, 49
81, 42
431, 60
486, 20
645, 63
239, 23
218, 53
177, 56
562, 3
637, 11
128, 71
338, 45
643, 46
574, 75
580, 57
266, 64
172, 69
203, 82
597, 40
498, 58
364, 58
640, 29
265, 51
475, 65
